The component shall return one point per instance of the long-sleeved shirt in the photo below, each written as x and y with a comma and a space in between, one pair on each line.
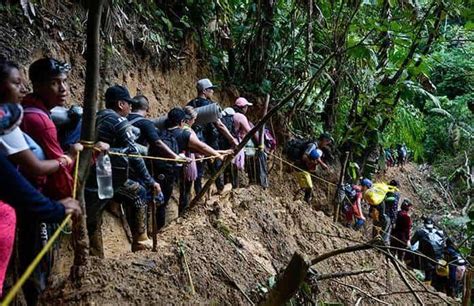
117, 131
20, 194
39, 126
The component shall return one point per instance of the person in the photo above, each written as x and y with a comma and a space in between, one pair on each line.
16, 145
431, 244
17, 193
402, 155
209, 133
391, 201
50, 89
311, 157
179, 140
235, 119
378, 212
457, 268
148, 135
115, 129
388, 157
189, 174
148, 132
353, 210
401, 233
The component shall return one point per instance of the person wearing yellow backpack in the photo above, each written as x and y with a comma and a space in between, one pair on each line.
374, 195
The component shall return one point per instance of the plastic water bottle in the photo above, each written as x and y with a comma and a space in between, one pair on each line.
103, 168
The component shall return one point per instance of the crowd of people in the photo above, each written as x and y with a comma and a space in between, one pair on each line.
38, 154
428, 249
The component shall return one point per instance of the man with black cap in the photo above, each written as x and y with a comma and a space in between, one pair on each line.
209, 133
114, 128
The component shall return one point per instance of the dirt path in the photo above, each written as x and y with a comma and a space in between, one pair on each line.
251, 233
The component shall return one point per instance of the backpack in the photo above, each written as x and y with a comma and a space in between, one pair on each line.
170, 140
295, 148
436, 241
270, 141
228, 121
377, 193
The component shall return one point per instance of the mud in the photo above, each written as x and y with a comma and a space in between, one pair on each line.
251, 233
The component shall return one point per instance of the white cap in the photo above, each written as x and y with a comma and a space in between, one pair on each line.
204, 84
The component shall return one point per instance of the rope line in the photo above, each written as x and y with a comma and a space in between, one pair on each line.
164, 158
36, 261
298, 168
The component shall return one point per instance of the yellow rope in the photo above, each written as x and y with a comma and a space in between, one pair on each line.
298, 168
31, 268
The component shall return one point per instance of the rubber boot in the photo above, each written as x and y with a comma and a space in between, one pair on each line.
140, 237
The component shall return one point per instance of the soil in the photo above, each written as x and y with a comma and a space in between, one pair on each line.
250, 232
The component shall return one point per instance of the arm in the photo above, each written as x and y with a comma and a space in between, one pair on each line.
27, 160
59, 184
323, 164
19, 193
200, 147
136, 163
223, 129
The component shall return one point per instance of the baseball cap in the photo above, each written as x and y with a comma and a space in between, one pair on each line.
315, 154
406, 204
366, 182
47, 68
241, 102
118, 92
204, 84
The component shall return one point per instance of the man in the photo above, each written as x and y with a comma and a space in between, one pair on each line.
431, 244
209, 133
50, 89
401, 233
114, 128
307, 155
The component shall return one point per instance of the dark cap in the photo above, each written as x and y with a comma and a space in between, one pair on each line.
46, 68
116, 93
326, 136
406, 204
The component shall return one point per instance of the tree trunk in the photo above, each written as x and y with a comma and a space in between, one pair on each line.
81, 249
289, 282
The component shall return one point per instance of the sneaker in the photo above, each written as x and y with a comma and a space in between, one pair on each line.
11, 115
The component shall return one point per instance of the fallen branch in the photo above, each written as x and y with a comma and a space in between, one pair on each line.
358, 247
404, 279
235, 283
361, 291
342, 274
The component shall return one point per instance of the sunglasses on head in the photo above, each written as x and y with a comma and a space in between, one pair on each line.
58, 67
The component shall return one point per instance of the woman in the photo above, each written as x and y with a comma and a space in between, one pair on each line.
180, 140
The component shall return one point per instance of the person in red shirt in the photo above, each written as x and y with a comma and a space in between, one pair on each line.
402, 232
50, 89
354, 212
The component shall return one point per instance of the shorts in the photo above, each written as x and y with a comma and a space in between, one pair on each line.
304, 179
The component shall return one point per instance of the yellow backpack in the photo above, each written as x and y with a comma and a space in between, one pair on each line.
376, 194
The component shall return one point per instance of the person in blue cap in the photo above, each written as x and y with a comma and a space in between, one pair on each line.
311, 158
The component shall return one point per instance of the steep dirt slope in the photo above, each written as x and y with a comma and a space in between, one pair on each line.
252, 234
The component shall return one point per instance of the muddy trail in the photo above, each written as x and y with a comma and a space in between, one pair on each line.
234, 245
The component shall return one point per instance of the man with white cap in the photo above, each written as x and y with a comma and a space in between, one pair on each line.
209, 133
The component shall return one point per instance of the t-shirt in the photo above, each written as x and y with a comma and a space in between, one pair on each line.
241, 125
41, 128
13, 143
148, 132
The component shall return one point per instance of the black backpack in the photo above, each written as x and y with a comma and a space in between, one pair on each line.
294, 149
228, 121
